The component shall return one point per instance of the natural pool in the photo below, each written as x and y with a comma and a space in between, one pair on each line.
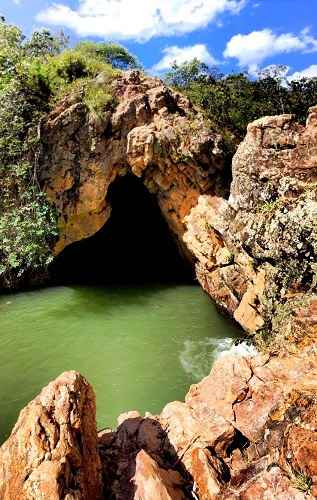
140, 347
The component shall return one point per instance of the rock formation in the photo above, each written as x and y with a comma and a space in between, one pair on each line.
256, 252
241, 244
154, 133
248, 430
52, 451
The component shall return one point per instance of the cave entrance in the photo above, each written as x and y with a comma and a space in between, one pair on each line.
135, 246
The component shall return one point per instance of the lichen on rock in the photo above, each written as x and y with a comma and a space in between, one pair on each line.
256, 252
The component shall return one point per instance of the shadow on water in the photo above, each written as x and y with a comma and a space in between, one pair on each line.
100, 299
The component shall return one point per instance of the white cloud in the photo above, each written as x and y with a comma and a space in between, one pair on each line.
138, 19
184, 54
310, 72
252, 49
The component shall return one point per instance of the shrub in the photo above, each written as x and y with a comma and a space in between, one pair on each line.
34, 74
98, 100
233, 101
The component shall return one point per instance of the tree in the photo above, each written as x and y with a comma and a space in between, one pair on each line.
116, 55
233, 101
183, 75
43, 43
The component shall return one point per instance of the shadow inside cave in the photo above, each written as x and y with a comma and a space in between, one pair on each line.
135, 246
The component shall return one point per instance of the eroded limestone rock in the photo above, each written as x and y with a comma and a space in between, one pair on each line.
248, 430
256, 252
52, 451
154, 133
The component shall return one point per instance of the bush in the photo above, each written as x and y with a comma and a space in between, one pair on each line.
233, 101
27, 225
34, 74
112, 53
98, 100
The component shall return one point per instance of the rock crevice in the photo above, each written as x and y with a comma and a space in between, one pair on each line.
256, 252
248, 430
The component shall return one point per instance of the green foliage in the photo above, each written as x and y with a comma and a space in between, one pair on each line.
233, 101
27, 221
98, 100
43, 44
112, 53
27, 226
302, 482
11, 39
182, 76
34, 74
59, 74
269, 207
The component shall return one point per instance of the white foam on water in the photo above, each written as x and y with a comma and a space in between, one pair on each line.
241, 349
198, 356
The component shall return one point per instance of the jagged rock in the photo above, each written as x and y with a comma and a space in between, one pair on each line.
248, 430
52, 451
256, 252
154, 133
154, 483
272, 484
277, 158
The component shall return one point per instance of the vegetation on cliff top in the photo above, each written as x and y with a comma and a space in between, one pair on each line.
232, 101
34, 73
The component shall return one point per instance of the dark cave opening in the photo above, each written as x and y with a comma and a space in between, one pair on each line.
135, 246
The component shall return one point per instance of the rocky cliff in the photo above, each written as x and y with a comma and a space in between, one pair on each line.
246, 431
153, 133
255, 249
256, 252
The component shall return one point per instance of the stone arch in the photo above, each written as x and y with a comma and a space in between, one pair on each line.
154, 134
134, 246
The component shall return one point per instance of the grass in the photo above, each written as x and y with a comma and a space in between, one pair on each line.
301, 481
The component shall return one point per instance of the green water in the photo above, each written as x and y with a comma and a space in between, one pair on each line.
139, 347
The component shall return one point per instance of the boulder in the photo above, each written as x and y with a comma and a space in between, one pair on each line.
52, 451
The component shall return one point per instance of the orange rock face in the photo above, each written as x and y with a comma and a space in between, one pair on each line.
52, 451
154, 133
248, 430
152, 482
277, 157
256, 252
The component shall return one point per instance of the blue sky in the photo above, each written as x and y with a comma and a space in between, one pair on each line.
233, 34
